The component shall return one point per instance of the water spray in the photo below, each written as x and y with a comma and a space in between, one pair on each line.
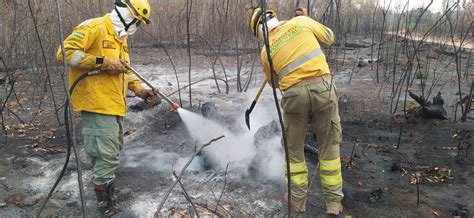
174, 105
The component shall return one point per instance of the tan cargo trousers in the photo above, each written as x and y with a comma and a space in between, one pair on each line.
314, 101
103, 141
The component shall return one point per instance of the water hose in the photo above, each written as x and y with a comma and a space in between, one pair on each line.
277, 104
71, 143
70, 132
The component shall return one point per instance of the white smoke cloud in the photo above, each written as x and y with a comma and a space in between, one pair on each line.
237, 148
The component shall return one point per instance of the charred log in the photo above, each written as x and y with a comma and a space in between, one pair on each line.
430, 110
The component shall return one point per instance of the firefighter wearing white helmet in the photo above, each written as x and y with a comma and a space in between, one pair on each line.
101, 44
308, 96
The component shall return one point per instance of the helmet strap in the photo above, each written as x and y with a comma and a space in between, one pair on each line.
120, 3
125, 24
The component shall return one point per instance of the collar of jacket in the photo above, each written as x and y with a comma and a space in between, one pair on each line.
111, 29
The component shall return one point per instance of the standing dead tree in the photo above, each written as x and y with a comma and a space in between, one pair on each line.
10, 79
70, 130
395, 57
223, 21
48, 76
216, 53
409, 39
373, 37
189, 5
172, 64
381, 42
457, 57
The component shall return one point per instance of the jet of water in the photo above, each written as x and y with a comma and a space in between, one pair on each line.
200, 128
235, 148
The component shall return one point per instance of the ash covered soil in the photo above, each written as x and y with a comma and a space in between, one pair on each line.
378, 178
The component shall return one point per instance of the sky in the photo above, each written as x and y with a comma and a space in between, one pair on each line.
437, 5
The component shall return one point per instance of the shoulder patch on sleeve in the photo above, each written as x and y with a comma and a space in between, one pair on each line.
78, 35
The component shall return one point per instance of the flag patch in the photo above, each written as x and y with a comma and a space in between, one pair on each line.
78, 35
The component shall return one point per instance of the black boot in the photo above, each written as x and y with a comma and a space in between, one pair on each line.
112, 202
101, 196
106, 200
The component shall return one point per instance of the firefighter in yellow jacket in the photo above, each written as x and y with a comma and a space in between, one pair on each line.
101, 44
308, 96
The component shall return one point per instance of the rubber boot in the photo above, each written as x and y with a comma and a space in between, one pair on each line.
298, 205
113, 207
101, 196
334, 209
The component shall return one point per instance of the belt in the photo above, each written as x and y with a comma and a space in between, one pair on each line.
312, 80
301, 60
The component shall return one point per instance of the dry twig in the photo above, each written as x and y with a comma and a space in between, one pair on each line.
185, 193
157, 213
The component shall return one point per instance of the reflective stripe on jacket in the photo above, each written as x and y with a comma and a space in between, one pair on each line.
102, 93
296, 52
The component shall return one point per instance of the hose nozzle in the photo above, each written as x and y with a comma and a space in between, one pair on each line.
175, 106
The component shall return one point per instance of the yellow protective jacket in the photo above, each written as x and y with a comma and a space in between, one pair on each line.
296, 51
102, 93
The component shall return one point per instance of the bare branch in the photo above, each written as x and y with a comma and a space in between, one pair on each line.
185, 193
157, 213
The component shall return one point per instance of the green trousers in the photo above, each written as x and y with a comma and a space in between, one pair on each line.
314, 101
103, 141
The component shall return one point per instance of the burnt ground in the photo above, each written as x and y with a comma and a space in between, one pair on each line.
378, 177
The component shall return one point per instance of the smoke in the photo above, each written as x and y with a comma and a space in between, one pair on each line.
234, 148
150, 157
238, 148
272, 167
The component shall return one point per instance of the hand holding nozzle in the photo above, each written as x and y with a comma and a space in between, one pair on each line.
113, 66
174, 105
149, 96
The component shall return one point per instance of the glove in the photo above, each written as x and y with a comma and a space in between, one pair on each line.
151, 99
113, 66
300, 11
